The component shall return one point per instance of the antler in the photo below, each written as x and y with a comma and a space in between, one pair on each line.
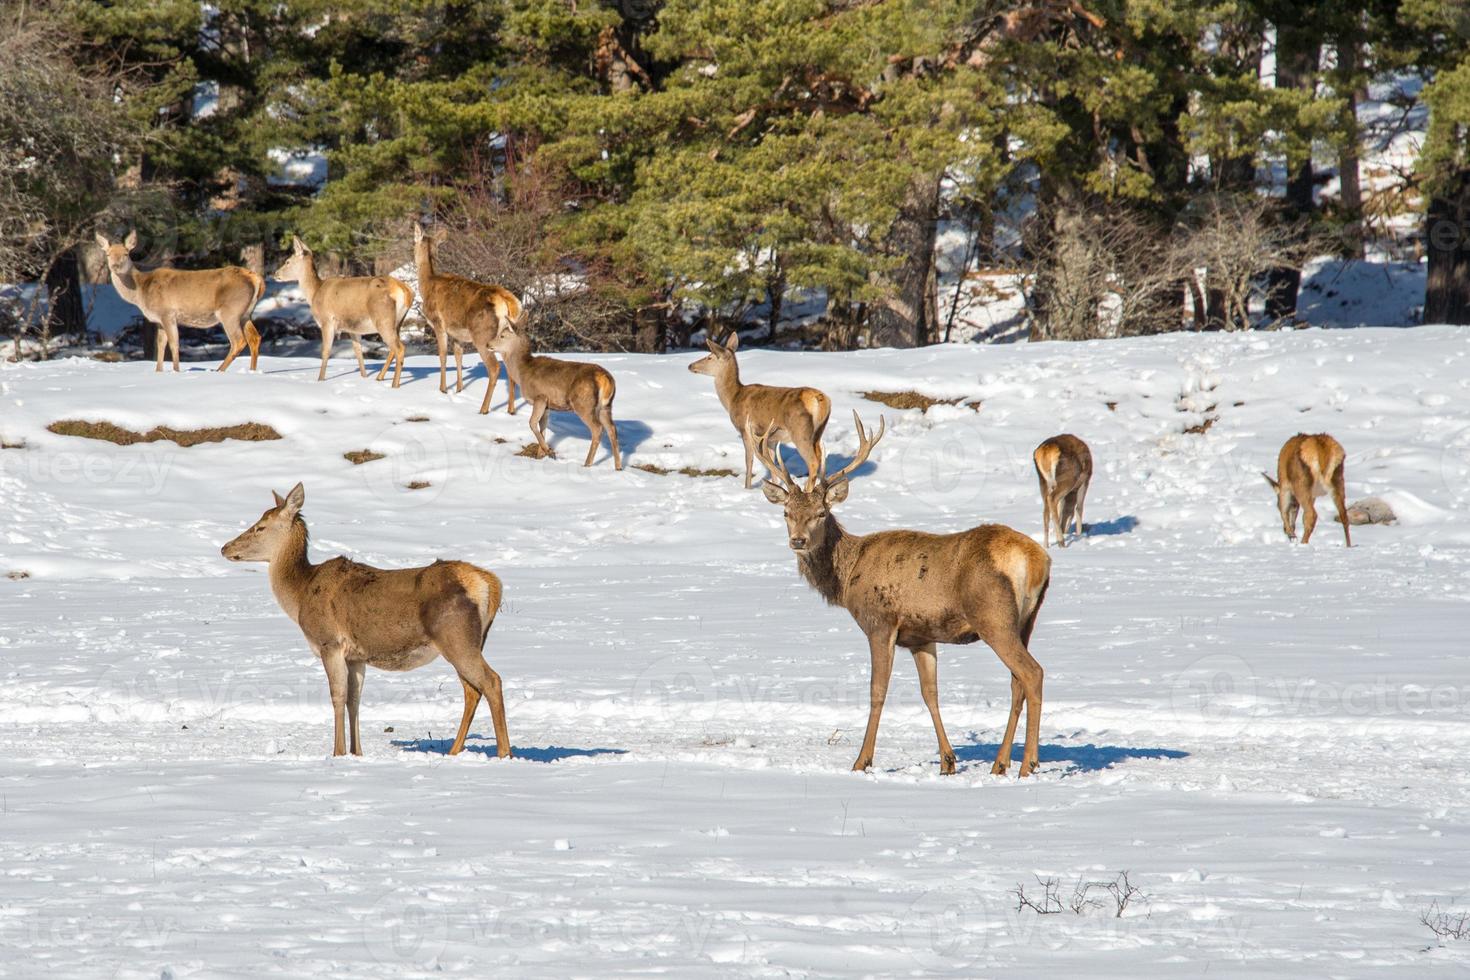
865, 447
770, 454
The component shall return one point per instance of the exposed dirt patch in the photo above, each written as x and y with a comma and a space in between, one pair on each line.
1112, 406
1203, 427
914, 399
683, 471
417, 418
418, 485
108, 356
116, 434
12, 445
532, 451
17, 576
359, 456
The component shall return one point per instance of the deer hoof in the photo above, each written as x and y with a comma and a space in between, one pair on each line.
505, 753
947, 765
862, 765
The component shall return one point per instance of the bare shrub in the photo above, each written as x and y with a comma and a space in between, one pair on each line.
1446, 925
1115, 895
507, 229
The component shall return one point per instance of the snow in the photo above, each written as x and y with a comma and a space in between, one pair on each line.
298, 168
1268, 738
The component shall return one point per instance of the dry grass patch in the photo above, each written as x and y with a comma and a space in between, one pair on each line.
914, 399
683, 471
12, 445
17, 575
417, 418
116, 434
419, 485
359, 456
532, 451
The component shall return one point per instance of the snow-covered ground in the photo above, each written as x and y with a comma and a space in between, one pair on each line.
1270, 739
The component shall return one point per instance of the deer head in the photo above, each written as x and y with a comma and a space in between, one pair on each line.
719, 357
263, 540
296, 265
809, 507
119, 260
511, 335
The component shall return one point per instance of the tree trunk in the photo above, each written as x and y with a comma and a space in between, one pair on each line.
776, 292
1447, 290
1347, 162
1297, 53
902, 317
65, 312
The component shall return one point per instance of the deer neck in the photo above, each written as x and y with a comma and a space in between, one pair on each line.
826, 568
290, 571
423, 263
727, 385
309, 280
517, 358
127, 283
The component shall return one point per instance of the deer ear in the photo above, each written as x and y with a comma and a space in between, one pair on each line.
102, 241
732, 343
440, 234
280, 500
295, 499
298, 245
714, 348
774, 492
836, 493
418, 232
131, 241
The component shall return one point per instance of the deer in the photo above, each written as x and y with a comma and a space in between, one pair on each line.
1308, 467
354, 305
915, 590
355, 616
1064, 469
565, 386
798, 415
465, 312
173, 298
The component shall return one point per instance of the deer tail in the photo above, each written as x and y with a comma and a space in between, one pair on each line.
1274, 484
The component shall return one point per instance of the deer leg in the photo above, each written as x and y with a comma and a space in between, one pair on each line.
252, 337
594, 428
460, 642
335, 662
357, 351
1309, 518
171, 332
1339, 497
926, 659
1081, 499
458, 368
492, 374
1286, 504
471, 702
749, 457
880, 645
605, 412
538, 427
237, 342
442, 342
356, 671
1003, 637
510, 385
1045, 515
160, 344
1003, 751
327, 338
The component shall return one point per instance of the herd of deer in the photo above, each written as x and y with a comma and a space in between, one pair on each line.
904, 588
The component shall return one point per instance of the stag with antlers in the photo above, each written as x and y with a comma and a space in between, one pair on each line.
913, 589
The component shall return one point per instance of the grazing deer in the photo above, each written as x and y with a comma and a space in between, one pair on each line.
354, 616
1308, 467
353, 305
913, 589
1064, 468
466, 312
173, 298
797, 415
565, 386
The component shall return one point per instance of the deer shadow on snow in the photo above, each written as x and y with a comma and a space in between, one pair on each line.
1082, 758
487, 747
560, 425
1118, 525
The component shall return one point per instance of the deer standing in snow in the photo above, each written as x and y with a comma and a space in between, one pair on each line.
353, 305
1064, 468
1308, 467
566, 386
465, 312
797, 415
355, 616
915, 590
173, 298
